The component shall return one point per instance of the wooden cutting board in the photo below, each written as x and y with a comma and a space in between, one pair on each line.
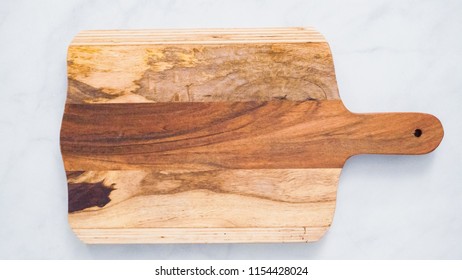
214, 135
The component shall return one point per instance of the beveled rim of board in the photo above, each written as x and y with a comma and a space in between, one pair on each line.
198, 36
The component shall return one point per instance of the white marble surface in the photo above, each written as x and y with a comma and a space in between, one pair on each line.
389, 56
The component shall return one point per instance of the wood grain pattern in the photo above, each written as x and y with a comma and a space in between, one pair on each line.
244, 135
209, 199
207, 206
213, 135
261, 69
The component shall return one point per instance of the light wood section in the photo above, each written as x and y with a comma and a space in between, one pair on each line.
261, 71
184, 198
212, 203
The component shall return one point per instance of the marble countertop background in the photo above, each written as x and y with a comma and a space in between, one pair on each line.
389, 56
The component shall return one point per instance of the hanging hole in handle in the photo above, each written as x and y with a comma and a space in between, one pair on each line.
418, 132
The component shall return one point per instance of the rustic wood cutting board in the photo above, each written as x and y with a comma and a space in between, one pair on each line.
214, 135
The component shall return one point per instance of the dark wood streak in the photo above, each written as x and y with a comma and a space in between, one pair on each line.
274, 134
85, 195
74, 174
82, 92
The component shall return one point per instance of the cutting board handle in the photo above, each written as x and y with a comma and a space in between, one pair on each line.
396, 133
